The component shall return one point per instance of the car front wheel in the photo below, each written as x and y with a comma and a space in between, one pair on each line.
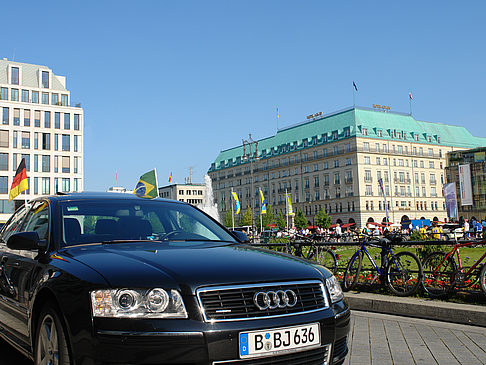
50, 345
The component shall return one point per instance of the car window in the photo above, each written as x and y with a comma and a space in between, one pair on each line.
37, 219
13, 225
91, 221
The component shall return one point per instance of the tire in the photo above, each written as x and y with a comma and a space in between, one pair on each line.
438, 280
352, 271
50, 339
482, 279
327, 258
404, 274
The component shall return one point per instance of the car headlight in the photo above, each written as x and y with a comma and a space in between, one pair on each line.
137, 303
334, 288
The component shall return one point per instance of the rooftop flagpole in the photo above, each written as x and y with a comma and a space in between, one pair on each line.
355, 89
410, 98
277, 118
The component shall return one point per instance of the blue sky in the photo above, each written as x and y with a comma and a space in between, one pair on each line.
168, 84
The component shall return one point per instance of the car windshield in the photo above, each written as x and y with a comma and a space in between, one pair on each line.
112, 221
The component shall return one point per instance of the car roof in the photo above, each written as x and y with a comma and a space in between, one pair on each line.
99, 196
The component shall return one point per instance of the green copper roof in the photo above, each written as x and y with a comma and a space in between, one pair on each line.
353, 122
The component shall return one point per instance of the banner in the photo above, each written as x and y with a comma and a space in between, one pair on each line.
451, 200
289, 204
264, 204
465, 185
380, 185
237, 202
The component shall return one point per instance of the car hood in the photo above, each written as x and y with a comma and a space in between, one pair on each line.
138, 265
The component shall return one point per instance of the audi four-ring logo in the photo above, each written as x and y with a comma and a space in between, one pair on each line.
275, 299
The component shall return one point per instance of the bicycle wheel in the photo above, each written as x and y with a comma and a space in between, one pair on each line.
482, 279
439, 274
352, 271
327, 258
404, 273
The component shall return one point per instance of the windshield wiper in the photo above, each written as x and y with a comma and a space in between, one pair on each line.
127, 241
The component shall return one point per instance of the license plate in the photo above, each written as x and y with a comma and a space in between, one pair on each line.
279, 340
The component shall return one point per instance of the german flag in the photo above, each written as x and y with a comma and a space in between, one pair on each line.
20, 182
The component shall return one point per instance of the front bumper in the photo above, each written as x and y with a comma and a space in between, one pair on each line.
193, 341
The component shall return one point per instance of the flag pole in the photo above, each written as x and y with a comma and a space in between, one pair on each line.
156, 182
277, 119
410, 101
354, 97
232, 211
286, 209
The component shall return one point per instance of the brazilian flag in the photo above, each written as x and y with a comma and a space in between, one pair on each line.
147, 186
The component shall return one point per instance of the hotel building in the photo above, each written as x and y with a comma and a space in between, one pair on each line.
333, 162
38, 123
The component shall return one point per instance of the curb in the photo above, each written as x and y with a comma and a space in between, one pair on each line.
418, 308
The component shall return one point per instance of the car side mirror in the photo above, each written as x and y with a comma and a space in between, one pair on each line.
25, 241
241, 236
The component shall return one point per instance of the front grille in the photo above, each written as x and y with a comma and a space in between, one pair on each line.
319, 356
232, 303
340, 348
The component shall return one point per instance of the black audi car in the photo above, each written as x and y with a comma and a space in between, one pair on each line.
111, 278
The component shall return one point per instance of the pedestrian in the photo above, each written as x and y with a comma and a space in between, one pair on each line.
466, 228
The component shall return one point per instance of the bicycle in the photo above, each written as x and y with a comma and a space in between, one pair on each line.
401, 272
442, 274
320, 254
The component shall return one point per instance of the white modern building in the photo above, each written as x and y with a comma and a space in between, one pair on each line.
190, 193
38, 123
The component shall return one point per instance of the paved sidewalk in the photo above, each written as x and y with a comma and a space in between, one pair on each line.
385, 339
419, 308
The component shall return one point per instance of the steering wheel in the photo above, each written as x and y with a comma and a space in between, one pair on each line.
171, 233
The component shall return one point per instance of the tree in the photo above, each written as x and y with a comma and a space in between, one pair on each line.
228, 219
281, 221
300, 220
245, 219
323, 220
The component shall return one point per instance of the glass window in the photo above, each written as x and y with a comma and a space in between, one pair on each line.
15, 95
26, 140
45, 98
4, 93
46, 141
3, 161
64, 100
3, 184
27, 161
26, 118
5, 115
46, 163
65, 185
75, 147
16, 117
14, 79
57, 120
36, 141
56, 164
55, 99
75, 167
47, 119
45, 79
76, 122
14, 161
65, 142
67, 121
36, 163
56, 142
15, 139
46, 184
4, 139
25, 96
35, 97
37, 117
65, 164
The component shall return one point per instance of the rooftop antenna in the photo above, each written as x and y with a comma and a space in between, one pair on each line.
190, 174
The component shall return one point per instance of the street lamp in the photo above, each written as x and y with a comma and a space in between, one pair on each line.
251, 156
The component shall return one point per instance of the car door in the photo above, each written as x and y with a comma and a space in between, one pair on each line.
18, 266
10, 317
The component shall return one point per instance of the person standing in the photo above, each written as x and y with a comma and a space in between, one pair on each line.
466, 228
